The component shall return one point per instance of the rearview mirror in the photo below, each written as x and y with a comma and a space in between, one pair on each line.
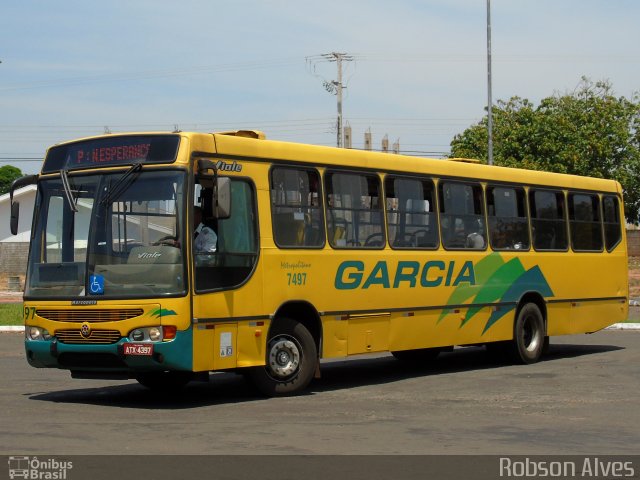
15, 216
222, 198
15, 206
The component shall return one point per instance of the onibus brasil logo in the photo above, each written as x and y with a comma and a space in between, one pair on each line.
40, 469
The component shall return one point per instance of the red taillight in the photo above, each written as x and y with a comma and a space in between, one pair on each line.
168, 332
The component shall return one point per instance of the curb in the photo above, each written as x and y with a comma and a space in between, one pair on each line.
624, 326
14, 329
615, 326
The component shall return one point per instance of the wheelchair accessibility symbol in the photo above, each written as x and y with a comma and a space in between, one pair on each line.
96, 284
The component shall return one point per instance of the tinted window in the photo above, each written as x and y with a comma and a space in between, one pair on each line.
462, 216
354, 211
295, 208
236, 250
507, 216
584, 221
411, 216
548, 223
611, 220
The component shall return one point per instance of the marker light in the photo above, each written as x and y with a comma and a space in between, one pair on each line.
169, 332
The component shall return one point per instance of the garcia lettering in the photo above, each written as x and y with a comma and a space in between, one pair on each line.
352, 274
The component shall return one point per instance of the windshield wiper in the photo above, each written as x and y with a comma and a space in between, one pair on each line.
122, 184
67, 191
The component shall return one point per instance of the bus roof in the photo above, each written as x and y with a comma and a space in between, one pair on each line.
252, 145
247, 148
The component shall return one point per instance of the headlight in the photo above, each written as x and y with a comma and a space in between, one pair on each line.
37, 333
155, 334
146, 334
137, 335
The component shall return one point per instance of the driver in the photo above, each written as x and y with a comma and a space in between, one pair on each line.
204, 238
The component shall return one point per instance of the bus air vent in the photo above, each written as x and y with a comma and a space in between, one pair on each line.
96, 336
88, 315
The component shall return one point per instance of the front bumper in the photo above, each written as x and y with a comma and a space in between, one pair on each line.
176, 354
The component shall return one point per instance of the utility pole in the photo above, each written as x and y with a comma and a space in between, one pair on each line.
489, 101
337, 86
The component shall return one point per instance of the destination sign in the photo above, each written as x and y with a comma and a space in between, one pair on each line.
112, 151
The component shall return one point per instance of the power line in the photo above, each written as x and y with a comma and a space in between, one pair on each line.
335, 85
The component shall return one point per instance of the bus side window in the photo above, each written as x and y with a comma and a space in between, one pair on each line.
354, 210
508, 222
548, 221
462, 216
411, 213
611, 220
584, 220
296, 212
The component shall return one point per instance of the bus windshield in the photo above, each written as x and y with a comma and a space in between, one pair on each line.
125, 239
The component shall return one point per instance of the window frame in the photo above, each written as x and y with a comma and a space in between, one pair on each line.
320, 207
328, 214
565, 219
256, 215
434, 214
620, 223
571, 213
482, 215
517, 188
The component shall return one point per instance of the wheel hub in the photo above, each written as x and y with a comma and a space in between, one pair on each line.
284, 357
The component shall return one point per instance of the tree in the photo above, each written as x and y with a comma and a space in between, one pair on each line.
588, 132
8, 174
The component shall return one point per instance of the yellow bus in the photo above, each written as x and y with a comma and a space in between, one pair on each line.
313, 253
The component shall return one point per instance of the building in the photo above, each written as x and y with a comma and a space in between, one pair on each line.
15, 248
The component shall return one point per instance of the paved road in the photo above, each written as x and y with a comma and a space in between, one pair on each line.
583, 399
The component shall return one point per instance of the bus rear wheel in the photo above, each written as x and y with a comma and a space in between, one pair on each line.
528, 335
291, 361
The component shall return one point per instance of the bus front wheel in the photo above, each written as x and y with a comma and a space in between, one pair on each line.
291, 360
528, 335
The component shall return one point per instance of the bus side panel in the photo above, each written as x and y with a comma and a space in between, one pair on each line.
215, 346
558, 319
335, 337
251, 343
203, 351
369, 334
587, 317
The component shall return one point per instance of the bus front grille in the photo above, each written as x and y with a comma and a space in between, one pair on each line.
95, 337
96, 315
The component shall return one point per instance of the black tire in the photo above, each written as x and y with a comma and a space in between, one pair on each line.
292, 359
528, 335
417, 357
165, 382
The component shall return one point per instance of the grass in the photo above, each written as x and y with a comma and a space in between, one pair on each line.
11, 314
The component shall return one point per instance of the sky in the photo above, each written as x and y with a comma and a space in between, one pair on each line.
418, 72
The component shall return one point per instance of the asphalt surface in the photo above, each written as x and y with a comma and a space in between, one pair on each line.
582, 399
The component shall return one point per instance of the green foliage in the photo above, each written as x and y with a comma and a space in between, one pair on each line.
589, 132
8, 174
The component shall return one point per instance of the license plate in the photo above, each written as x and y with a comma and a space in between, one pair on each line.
138, 348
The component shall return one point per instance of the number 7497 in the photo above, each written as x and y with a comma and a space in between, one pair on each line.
296, 279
